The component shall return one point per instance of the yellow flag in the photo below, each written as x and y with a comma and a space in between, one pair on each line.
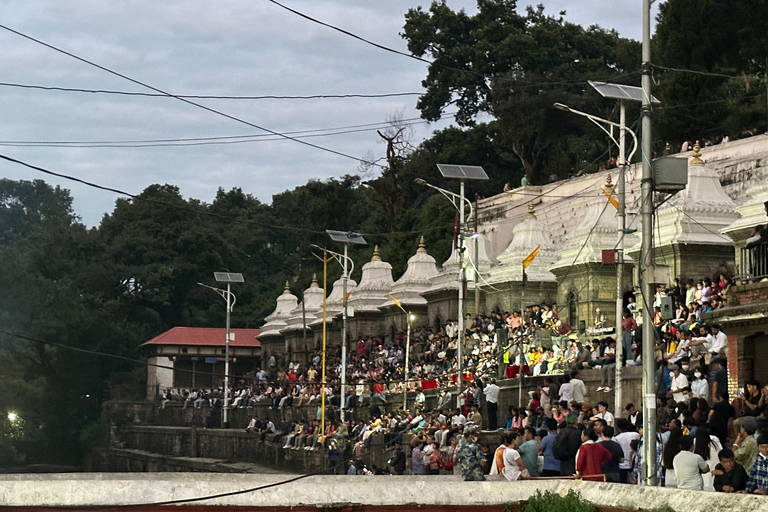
529, 259
611, 199
397, 302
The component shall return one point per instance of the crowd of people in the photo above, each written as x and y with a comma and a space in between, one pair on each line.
707, 439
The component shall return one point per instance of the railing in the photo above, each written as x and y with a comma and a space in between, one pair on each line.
752, 263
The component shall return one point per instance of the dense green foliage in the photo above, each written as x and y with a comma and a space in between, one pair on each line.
552, 502
135, 275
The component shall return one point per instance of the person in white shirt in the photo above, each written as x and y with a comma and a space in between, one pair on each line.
625, 438
717, 341
689, 466
458, 418
566, 389
603, 414
511, 461
679, 383
491, 392
699, 386
579, 389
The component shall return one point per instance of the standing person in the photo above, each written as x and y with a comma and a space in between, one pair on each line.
624, 439
579, 389
566, 445
529, 451
628, 326
689, 466
551, 464
417, 459
469, 454
612, 469
670, 451
492, 400
729, 474
591, 456
334, 457
398, 460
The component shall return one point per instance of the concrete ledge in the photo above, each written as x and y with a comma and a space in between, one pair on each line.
99, 489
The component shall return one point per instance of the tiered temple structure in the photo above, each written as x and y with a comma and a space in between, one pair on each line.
503, 285
272, 340
408, 290
299, 341
572, 224
369, 295
585, 281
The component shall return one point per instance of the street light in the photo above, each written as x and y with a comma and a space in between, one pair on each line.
462, 173
622, 228
229, 278
409, 317
346, 238
12, 417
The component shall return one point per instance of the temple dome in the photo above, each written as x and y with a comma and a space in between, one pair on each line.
276, 321
527, 235
416, 278
374, 286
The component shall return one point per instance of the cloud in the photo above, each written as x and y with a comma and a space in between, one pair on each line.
235, 47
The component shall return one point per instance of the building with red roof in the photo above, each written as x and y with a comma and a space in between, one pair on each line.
193, 357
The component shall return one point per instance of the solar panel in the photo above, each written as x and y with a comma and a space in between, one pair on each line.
346, 237
228, 277
620, 92
463, 172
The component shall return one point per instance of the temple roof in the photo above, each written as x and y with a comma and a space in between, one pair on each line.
286, 303
597, 231
374, 286
696, 214
416, 278
313, 303
526, 237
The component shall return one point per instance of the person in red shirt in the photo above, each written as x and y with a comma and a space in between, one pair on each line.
591, 456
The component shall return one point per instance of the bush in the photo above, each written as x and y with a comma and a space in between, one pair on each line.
551, 502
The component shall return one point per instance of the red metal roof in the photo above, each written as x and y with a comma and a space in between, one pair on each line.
206, 336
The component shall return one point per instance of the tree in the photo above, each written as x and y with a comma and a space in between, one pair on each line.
716, 39
514, 67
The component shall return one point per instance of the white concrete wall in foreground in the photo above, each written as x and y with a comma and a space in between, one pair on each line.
90, 489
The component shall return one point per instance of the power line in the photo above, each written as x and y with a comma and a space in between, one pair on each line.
209, 96
232, 139
190, 102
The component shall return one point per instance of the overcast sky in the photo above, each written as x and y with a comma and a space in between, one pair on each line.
231, 48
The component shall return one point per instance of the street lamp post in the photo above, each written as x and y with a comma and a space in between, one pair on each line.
346, 238
409, 317
622, 230
462, 173
229, 278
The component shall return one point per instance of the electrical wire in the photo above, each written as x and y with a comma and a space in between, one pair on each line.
181, 143
208, 96
188, 101
383, 124
693, 71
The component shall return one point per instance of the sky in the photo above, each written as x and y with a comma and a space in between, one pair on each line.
224, 48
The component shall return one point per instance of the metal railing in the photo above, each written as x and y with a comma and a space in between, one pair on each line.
752, 263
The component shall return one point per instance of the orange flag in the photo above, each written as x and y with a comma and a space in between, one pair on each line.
611, 199
529, 259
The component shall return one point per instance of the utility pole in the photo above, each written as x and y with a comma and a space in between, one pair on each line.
622, 225
477, 262
646, 262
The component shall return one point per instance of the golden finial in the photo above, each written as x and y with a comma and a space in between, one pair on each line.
314, 281
531, 212
608, 187
422, 247
287, 288
696, 160
376, 256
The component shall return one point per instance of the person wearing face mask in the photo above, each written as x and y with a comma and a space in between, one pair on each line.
699, 386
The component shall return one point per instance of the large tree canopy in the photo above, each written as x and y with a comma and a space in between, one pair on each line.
513, 67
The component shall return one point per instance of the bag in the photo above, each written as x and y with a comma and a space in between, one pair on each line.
449, 465
559, 448
440, 461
